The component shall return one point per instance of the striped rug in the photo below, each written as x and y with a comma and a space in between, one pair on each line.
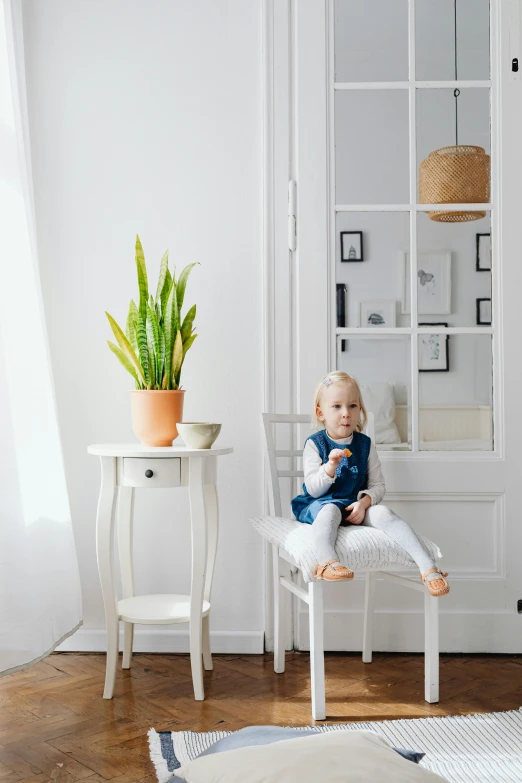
463, 748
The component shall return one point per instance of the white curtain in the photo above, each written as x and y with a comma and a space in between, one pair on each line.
40, 595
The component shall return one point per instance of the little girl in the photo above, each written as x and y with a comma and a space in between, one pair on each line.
344, 484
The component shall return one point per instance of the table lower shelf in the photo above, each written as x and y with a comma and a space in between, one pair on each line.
159, 609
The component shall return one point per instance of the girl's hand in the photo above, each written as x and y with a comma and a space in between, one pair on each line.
358, 510
334, 457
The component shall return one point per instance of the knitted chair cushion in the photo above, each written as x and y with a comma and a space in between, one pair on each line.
357, 546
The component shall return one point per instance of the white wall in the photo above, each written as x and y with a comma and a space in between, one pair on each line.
146, 118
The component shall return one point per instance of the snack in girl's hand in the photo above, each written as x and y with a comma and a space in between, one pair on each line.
347, 452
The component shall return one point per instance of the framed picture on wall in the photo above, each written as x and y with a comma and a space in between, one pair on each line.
352, 246
433, 351
483, 312
433, 282
483, 263
377, 314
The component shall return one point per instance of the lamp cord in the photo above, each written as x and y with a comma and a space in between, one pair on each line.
456, 92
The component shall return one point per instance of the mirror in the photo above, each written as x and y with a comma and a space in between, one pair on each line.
381, 365
455, 392
375, 123
372, 249
444, 119
370, 52
453, 272
435, 39
369, 265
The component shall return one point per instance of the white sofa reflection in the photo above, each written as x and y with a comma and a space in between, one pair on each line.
441, 427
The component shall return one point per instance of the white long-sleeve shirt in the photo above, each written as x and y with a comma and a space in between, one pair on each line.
317, 480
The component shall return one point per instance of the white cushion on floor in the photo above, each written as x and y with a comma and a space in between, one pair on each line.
336, 757
357, 546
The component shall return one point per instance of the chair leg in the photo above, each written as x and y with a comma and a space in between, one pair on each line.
128, 640
431, 649
207, 654
315, 592
279, 614
369, 606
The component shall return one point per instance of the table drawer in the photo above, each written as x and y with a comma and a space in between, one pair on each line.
150, 472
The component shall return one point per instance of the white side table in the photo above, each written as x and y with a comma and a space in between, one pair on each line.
126, 466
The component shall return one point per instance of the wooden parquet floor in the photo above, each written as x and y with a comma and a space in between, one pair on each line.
55, 726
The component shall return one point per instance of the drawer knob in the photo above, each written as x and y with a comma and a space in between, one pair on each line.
149, 473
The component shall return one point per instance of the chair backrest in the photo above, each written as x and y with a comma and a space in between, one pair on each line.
274, 472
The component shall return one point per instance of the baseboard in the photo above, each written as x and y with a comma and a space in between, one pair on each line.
166, 641
459, 632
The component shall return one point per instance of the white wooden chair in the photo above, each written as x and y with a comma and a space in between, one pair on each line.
313, 595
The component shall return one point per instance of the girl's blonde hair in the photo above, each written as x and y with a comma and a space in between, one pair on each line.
337, 377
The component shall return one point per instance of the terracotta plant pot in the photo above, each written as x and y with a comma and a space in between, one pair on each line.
155, 415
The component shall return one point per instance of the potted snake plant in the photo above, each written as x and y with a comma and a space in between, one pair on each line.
153, 348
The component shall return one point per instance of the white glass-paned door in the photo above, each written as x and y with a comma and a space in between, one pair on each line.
410, 124
395, 100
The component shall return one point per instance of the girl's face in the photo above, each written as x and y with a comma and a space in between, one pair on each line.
339, 409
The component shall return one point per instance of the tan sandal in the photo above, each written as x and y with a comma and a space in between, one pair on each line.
436, 587
326, 571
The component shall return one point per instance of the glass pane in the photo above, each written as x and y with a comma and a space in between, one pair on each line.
370, 248
453, 272
381, 366
370, 52
455, 392
435, 39
371, 147
444, 120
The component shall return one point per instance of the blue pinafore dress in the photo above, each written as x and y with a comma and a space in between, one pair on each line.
351, 476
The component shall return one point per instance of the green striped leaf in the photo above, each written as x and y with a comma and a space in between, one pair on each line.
186, 328
187, 344
131, 326
182, 283
143, 284
152, 363
151, 352
165, 293
152, 305
171, 326
124, 360
177, 359
126, 348
161, 363
143, 349
153, 342
164, 265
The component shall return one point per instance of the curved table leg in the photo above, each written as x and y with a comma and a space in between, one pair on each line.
105, 556
199, 562
125, 523
212, 509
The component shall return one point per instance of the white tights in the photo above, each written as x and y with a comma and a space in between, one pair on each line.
327, 521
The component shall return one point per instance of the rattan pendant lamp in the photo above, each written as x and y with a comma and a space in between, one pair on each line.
455, 175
